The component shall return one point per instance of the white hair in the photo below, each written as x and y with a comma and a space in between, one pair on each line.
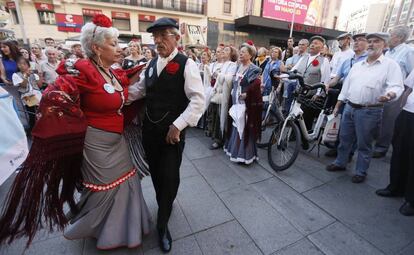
401, 31
92, 34
49, 49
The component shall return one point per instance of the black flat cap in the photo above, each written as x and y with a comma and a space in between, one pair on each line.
317, 37
163, 23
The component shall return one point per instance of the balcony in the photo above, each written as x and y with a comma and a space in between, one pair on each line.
189, 6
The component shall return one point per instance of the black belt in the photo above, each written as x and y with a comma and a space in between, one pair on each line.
359, 106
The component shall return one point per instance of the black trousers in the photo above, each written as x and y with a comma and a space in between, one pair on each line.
164, 164
402, 159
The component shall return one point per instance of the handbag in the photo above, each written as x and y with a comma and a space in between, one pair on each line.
331, 132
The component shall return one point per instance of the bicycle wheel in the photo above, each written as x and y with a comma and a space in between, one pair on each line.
284, 153
268, 126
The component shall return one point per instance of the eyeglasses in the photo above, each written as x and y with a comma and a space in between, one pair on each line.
163, 35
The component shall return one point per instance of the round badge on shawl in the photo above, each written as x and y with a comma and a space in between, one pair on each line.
109, 88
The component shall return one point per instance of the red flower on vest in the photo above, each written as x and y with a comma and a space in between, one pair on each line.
315, 62
172, 67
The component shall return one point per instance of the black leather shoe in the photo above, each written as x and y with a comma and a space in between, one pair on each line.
407, 209
387, 193
378, 154
165, 239
358, 178
335, 168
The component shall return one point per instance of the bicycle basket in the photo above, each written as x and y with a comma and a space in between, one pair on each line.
307, 101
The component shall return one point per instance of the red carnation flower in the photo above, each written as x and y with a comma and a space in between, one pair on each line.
315, 62
250, 42
172, 67
101, 20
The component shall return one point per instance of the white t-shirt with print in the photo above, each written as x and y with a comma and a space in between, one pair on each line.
409, 82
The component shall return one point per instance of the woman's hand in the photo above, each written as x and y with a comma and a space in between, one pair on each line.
243, 96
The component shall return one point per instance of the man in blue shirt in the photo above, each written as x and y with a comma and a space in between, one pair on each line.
360, 49
403, 54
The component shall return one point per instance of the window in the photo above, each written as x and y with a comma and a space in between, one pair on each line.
143, 25
171, 4
15, 18
87, 18
228, 26
46, 17
227, 6
121, 24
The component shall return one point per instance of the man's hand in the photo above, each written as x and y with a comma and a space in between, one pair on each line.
336, 109
173, 135
387, 97
315, 97
242, 96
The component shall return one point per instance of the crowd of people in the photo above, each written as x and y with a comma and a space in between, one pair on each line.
93, 132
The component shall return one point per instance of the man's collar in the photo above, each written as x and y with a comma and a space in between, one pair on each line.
397, 47
380, 59
171, 56
364, 54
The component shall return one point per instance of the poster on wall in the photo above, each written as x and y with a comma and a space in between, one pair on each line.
69, 22
306, 11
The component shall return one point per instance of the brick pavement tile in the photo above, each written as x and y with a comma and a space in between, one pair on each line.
303, 247
298, 179
298, 210
187, 168
251, 173
229, 238
409, 250
269, 229
90, 249
336, 239
194, 132
194, 149
58, 245
374, 218
178, 224
201, 206
316, 168
218, 174
185, 246
15, 248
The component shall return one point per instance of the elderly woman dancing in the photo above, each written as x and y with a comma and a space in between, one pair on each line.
78, 142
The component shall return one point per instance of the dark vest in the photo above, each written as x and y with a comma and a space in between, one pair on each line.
165, 95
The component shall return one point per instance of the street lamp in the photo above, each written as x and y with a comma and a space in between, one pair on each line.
293, 19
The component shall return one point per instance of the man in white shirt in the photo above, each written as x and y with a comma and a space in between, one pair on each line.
403, 54
346, 52
402, 160
370, 83
174, 96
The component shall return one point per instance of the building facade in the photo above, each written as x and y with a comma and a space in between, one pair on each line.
235, 21
365, 18
62, 19
400, 12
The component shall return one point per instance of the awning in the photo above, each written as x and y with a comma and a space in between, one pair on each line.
281, 28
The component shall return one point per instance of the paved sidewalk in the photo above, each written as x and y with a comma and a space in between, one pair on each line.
226, 208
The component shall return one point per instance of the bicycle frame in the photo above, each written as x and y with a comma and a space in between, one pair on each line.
296, 114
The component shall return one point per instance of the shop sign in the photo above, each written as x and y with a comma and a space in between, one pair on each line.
69, 22
120, 15
44, 7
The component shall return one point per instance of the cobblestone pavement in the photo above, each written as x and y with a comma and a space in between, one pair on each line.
226, 208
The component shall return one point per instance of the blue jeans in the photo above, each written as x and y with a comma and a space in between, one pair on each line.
360, 125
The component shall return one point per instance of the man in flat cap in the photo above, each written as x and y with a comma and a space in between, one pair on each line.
315, 69
370, 84
174, 96
403, 54
360, 49
344, 43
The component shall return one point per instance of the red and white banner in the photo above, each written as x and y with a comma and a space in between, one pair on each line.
11, 5
69, 22
147, 18
90, 12
120, 15
44, 7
